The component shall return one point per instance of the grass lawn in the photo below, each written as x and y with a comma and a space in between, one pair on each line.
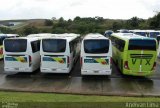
42, 98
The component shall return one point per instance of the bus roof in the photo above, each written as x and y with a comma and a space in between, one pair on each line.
1, 35
67, 37
136, 30
53, 35
10, 35
94, 36
127, 36
40, 35
28, 38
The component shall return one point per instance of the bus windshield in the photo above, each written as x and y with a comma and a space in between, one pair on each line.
96, 46
139, 44
141, 33
15, 45
154, 34
54, 45
1, 40
158, 39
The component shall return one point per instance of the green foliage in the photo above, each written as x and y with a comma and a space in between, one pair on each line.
87, 25
97, 24
79, 25
52, 97
6, 30
134, 22
48, 22
30, 30
154, 23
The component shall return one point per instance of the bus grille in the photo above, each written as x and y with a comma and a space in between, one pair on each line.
142, 56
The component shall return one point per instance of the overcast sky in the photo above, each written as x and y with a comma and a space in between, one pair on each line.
114, 9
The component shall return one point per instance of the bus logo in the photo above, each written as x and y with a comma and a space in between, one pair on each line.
97, 60
55, 59
141, 57
20, 59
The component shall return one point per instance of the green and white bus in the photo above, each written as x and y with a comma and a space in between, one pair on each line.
134, 55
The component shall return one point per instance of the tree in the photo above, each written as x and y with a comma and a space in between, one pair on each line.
61, 19
154, 22
116, 26
48, 22
134, 22
6, 30
30, 30
77, 18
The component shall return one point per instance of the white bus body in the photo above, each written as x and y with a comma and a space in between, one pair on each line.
21, 54
146, 33
2, 37
12, 35
41, 35
59, 53
96, 55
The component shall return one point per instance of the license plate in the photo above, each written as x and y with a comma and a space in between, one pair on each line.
54, 69
96, 71
16, 68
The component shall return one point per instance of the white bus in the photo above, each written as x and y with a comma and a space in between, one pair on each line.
96, 55
59, 53
41, 35
2, 37
12, 35
146, 33
21, 54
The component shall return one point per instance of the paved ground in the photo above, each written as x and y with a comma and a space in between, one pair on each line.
116, 84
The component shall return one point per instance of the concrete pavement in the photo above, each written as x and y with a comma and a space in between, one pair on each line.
116, 84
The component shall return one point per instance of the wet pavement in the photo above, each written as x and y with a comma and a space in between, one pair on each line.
116, 84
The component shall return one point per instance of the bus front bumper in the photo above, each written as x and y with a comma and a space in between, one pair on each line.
49, 70
11, 69
96, 72
135, 73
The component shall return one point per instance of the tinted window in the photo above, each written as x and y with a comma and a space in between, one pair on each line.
158, 39
141, 33
96, 46
154, 34
35, 46
54, 45
118, 43
71, 45
15, 45
125, 31
1, 40
139, 44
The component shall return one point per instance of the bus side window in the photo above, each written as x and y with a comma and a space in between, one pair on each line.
35, 46
73, 46
113, 40
121, 45
116, 43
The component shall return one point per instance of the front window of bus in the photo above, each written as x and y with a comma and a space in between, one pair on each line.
142, 44
154, 34
54, 45
142, 33
1, 42
96, 46
158, 39
15, 45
